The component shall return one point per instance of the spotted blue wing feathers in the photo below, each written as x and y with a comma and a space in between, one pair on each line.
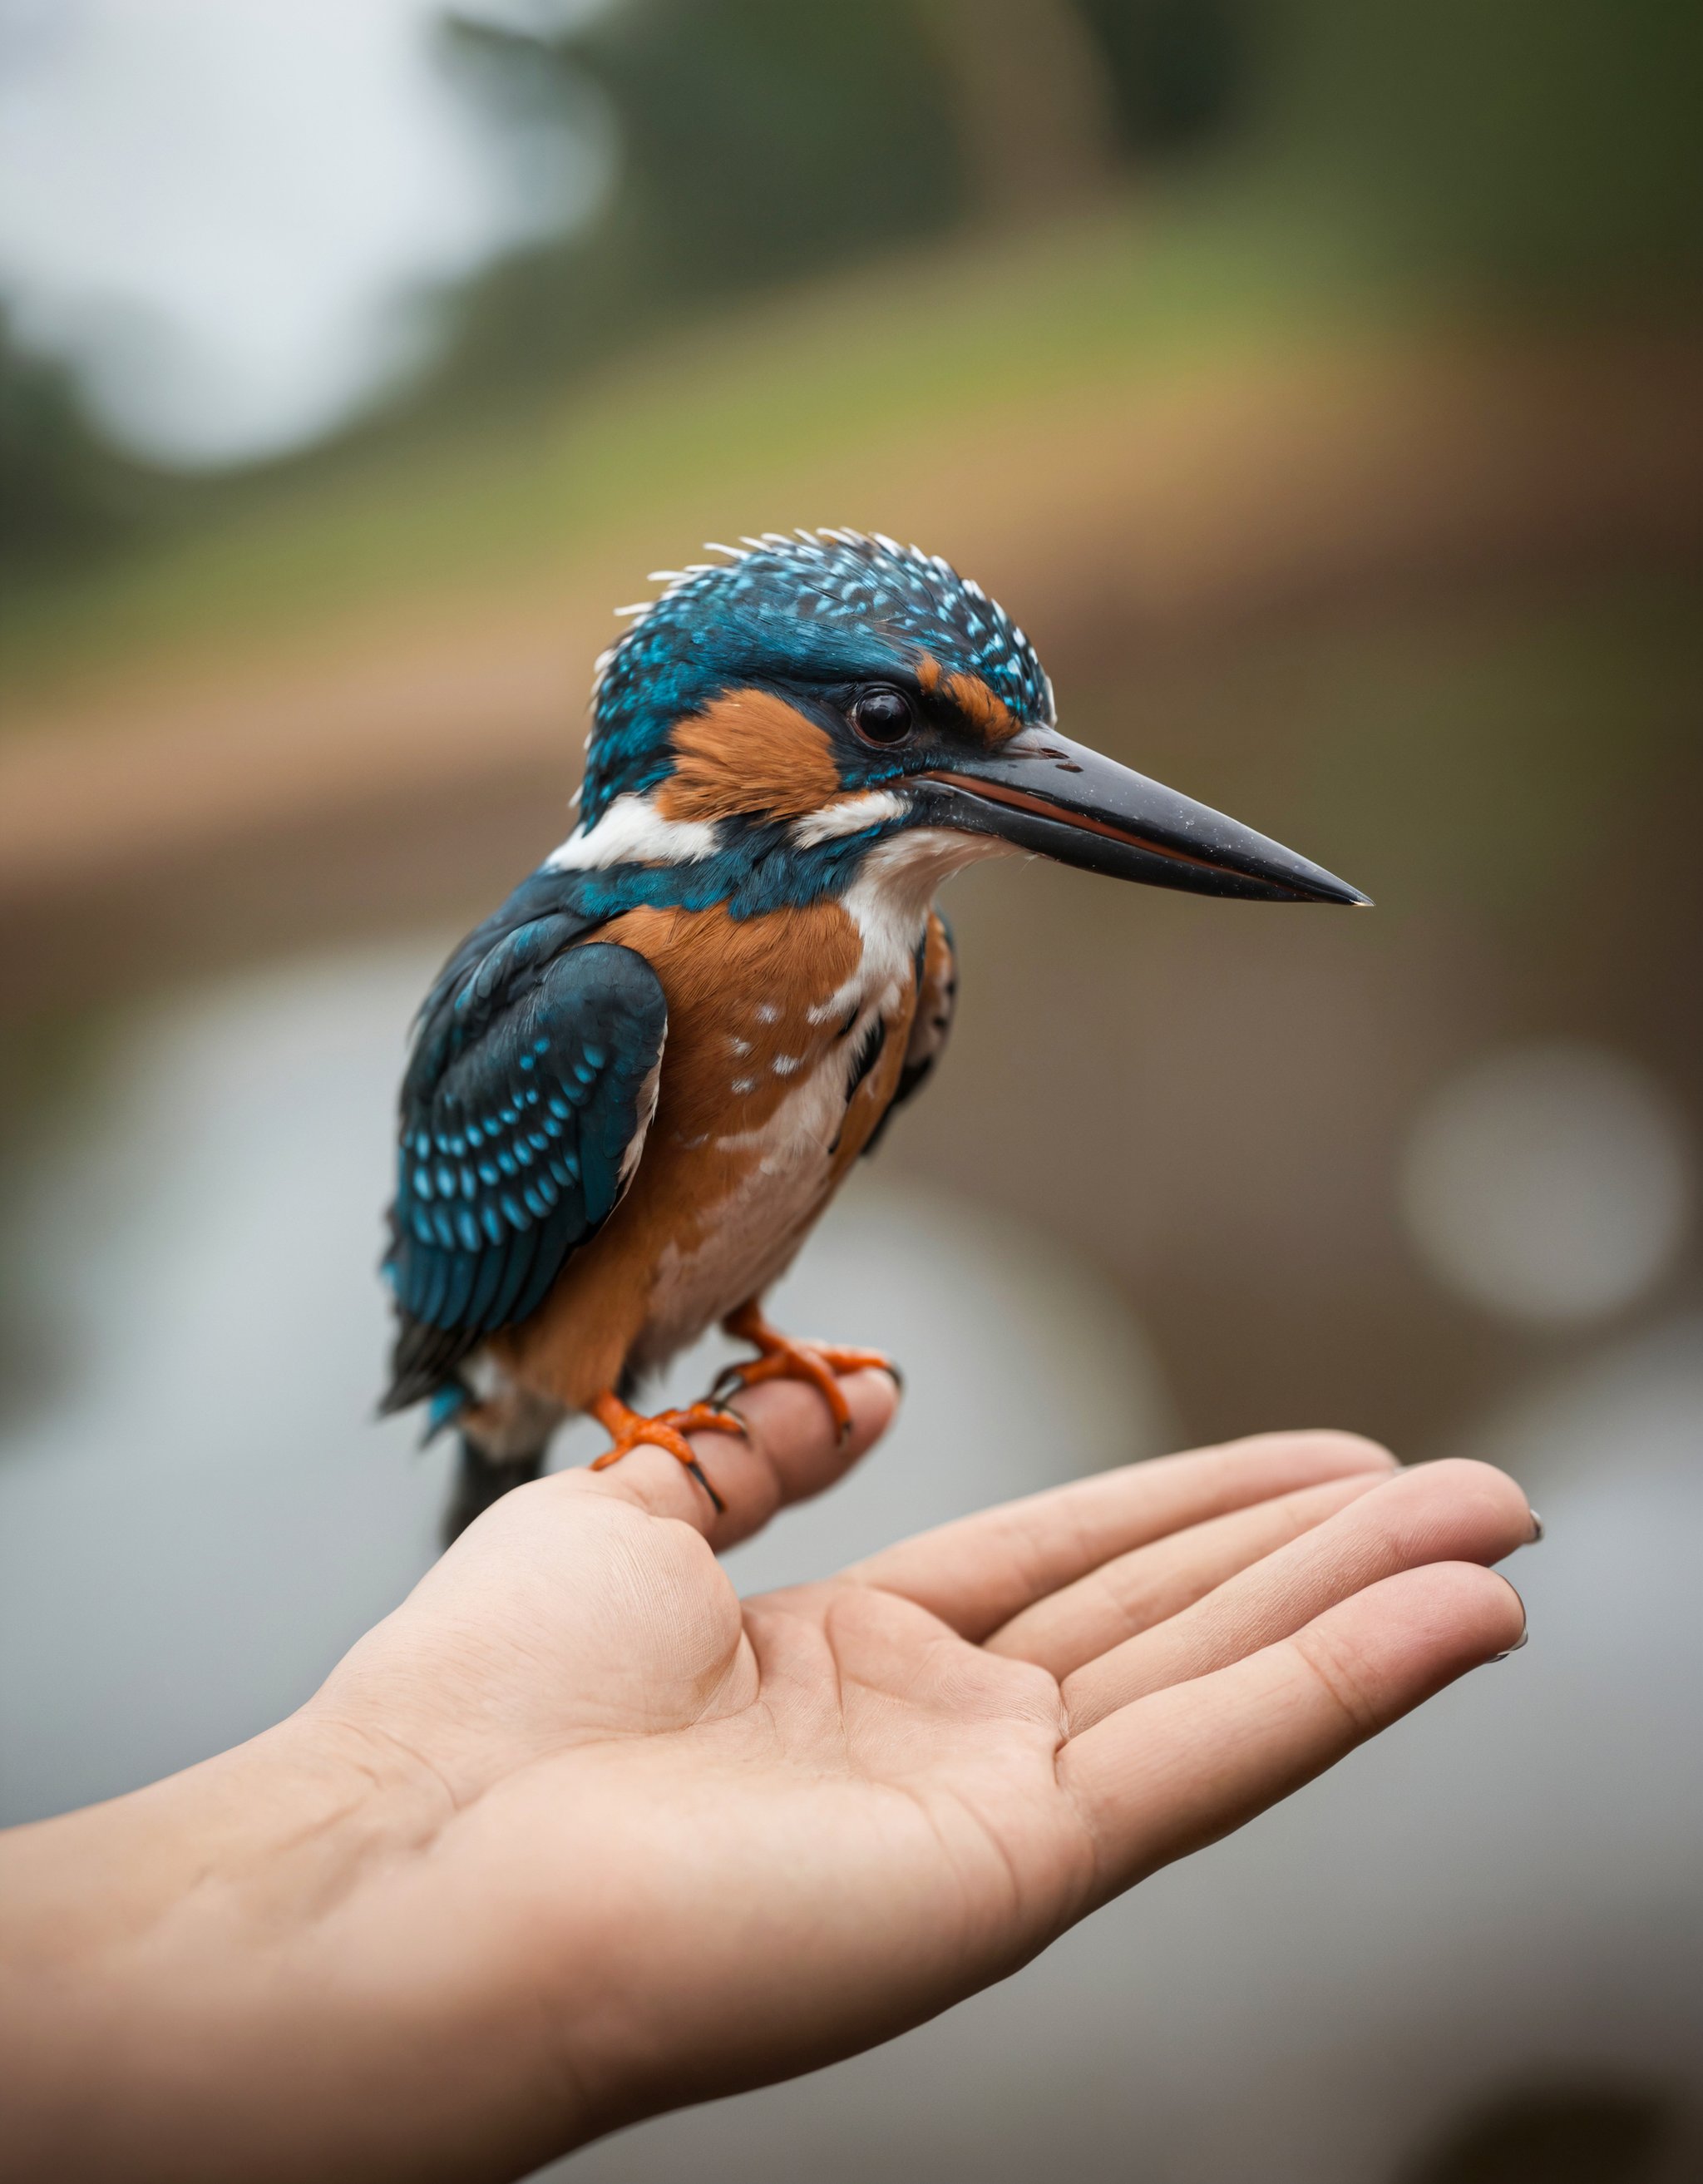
532, 1085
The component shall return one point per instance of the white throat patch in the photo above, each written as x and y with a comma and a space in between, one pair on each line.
890, 900
847, 815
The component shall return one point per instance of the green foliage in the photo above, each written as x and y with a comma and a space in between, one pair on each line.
1181, 71
63, 494
1509, 149
1544, 144
759, 141
764, 139
1526, 145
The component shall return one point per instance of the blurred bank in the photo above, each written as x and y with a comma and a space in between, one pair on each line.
1320, 386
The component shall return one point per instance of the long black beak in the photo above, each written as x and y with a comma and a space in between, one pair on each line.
1063, 801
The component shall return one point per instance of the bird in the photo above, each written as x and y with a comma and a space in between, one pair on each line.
633, 1090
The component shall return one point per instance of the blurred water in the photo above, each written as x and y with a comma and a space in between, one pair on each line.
1550, 1181
200, 1515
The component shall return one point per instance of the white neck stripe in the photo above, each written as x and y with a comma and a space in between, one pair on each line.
634, 832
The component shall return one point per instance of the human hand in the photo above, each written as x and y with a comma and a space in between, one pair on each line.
574, 1836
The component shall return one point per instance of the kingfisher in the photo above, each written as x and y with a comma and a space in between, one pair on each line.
633, 1090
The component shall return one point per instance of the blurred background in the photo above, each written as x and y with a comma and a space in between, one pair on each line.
1320, 385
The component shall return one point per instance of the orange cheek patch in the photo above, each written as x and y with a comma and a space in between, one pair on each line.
986, 713
749, 752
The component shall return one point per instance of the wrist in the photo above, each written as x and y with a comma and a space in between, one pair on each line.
187, 1975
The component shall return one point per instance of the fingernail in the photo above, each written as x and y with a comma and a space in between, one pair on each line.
1537, 1526
1514, 1648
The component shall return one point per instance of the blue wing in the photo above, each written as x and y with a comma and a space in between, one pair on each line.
532, 1082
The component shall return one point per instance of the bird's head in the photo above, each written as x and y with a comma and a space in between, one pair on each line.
812, 708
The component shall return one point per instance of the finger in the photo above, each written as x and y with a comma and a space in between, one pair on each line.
980, 1572
1133, 1593
1448, 1512
790, 1450
1179, 1768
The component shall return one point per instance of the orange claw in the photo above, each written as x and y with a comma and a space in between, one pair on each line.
630, 1430
782, 1358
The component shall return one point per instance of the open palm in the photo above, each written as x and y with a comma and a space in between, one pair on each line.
647, 1843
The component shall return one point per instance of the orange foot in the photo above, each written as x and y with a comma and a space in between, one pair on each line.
630, 1430
782, 1359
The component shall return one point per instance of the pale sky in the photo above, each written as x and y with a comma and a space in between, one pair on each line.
219, 210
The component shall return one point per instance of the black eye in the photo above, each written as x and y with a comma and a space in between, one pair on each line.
883, 716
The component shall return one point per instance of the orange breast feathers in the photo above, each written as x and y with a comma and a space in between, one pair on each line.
762, 1032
